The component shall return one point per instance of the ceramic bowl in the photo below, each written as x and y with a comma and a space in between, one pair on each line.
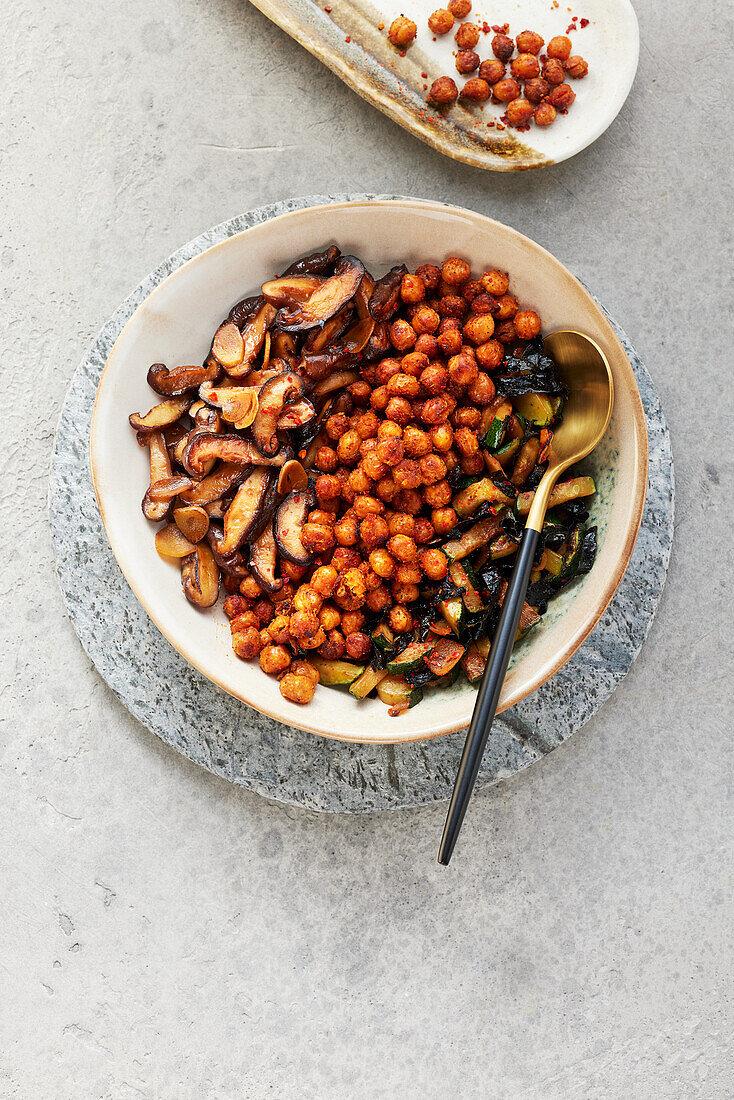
174, 325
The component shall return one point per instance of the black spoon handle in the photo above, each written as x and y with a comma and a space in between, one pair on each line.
489, 693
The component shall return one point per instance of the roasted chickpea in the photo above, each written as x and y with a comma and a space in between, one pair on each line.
274, 659
358, 481
506, 332
386, 369
298, 688
482, 390
443, 520
459, 8
390, 451
403, 385
378, 599
329, 616
373, 531
235, 605
264, 610
409, 573
559, 47
327, 487
434, 564
490, 355
366, 505
250, 588
414, 363
417, 443
462, 369
295, 572
525, 66
302, 667
426, 344
412, 289
506, 90
401, 524
519, 112
367, 425
409, 500
386, 488
561, 97
503, 47
344, 557
402, 335
353, 620
382, 564
451, 459
333, 647
440, 21
379, 399
326, 460
279, 630
407, 474
442, 436
348, 446
423, 530
404, 593
400, 620
536, 90
247, 643
283, 597
476, 90
545, 114
437, 496
450, 342
466, 417
426, 320
508, 307
230, 584
430, 275
337, 425
317, 537
492, 70
576, 67
443, 92
553, 72
467, 61
323, 580
402, 31
351, 590
466, 441
244, 620
495, 282
388, 430
398, 410
373, 467
479, 328
307, 599
346, 531
433, 469
304, 624
436, 409
360, 394
358, 645
473, 464
529, 42
527, 324
484, 303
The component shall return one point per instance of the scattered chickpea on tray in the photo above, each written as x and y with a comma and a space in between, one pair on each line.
352, 464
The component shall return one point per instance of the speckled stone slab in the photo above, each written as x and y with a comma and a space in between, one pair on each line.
198, 719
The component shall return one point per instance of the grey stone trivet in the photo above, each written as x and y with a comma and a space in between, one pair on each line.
189, 713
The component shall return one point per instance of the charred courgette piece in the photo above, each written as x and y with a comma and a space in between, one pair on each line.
535, 408
410, 658
455, 614
395, 691
473, 664
364, 684
444, 656
561, 494
460, 575
337, 673
496, 431
471, 540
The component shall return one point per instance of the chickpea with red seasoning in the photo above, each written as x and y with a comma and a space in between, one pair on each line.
467, 61
536, 90
492, 70
459, 8
576, 67
545, 114
402, 31
529, 42
443, 92
440, 21
297, 688
559, 47
520, 112
553, 72
525, 66
467, 36
562, 96
527, 324
476, 90
503, 47
506, 90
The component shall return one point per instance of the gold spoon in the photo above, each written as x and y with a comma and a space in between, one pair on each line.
585, 373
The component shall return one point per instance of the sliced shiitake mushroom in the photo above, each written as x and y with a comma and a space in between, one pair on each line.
315, 263
216, 509
378, 345
277, 392
296, 415
192, 521
264, 560
358, 335
289, 520
333, 293
161, 415
170, 542
235, 565
171, 383
228, 345
318, 339
169, 487
207, 447
292, 476
363, 295
200, 577
291, 290
319, 366
284, 346
160, 470
386, 295
241, 313
252, 506
237, 404
335, 381
253, 336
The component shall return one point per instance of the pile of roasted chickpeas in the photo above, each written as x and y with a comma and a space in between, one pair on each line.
381, 470
534, 90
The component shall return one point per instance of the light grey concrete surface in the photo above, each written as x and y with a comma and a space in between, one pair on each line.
163, 934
